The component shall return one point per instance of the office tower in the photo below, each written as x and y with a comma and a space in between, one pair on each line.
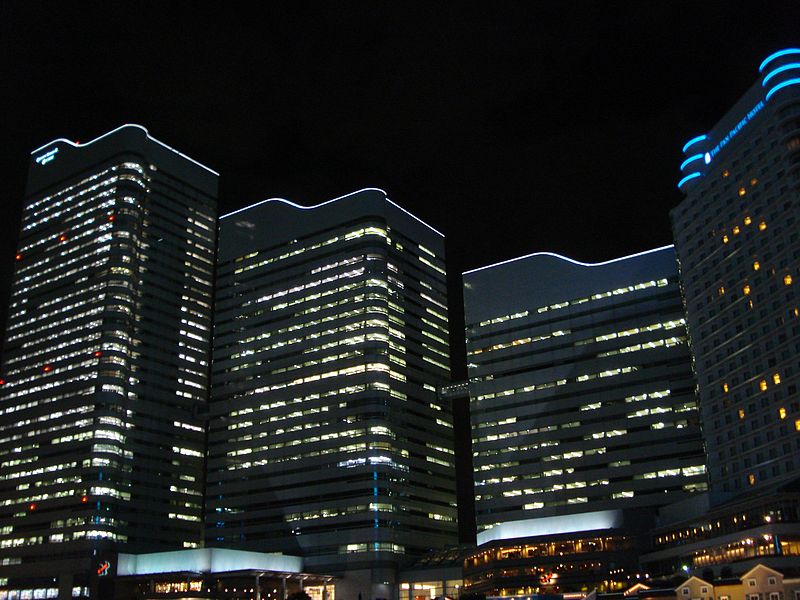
583, 413
326, 437
105, 362
737, 243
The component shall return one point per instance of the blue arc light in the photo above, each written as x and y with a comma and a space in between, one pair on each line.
779, 70
787, 83
691, 159
777, 54
693, 141
689, 177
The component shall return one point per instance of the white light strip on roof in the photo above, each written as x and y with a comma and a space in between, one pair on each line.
151, 138
301, 207
575, 262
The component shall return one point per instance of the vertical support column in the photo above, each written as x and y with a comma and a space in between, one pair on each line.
258, 586
65, 581
283, 588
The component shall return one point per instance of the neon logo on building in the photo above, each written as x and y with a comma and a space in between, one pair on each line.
733, 132
47, 156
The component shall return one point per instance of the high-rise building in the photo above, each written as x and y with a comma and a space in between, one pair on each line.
326, 437
737, 242
105, 362
584, 418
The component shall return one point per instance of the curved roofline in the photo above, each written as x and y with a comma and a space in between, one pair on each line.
301, 207
147, 133
571, 260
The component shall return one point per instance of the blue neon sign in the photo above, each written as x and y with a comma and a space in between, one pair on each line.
733, 132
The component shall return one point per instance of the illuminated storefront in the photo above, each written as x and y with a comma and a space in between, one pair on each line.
217, 573
606, 561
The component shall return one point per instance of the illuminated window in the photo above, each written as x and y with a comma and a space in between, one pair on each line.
776, 378
725, 173
751, 479
782, 412
741, 413
762, 385
746, 290
762, 225
747, 220
756, 266
753, 181
736, 230
787, 280
721, 290
724, 239
797, 425
725, 387
742, 191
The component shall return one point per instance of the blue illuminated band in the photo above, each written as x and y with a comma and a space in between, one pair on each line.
779, 70
778, 54
687, 178
693, 141
787, 83
691, 159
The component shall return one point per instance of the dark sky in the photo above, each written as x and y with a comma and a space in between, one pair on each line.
511, 127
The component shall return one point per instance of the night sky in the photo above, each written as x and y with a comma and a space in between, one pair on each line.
511, 127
